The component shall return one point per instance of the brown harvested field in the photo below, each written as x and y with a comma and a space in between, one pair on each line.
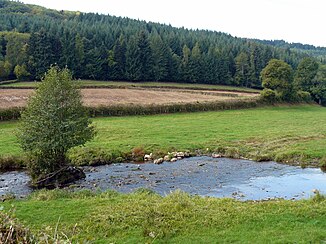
108, 96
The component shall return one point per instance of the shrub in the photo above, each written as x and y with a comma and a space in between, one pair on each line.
21, 72
10, 113
304, 96
269, 96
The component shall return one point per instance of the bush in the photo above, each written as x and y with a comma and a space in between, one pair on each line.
10, 114
304, 96
21, 72
270, 96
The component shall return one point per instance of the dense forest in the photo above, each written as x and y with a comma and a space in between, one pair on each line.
105, 47
317, 52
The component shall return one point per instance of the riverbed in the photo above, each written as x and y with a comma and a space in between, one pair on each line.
204, 176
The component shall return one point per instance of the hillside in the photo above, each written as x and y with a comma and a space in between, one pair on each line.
105, 47
311, 50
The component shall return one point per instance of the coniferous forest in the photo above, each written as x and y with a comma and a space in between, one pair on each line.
104, 47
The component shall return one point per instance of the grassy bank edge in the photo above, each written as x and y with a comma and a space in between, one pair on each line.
177, 217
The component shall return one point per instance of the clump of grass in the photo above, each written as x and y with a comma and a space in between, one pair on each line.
318, 197
95, 156
50, 195
138, 153
11, 231
9, 162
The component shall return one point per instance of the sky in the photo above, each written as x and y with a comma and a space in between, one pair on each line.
290, 20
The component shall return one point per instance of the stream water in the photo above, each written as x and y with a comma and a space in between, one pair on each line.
205, 176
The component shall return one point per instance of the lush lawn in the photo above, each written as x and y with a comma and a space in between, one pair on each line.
144, 217
92, 83
289, 133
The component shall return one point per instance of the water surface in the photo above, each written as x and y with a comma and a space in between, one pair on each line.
204, 176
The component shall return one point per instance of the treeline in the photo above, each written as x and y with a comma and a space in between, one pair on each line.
104, 47
318, 52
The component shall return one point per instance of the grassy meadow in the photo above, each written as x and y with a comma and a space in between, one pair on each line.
293, 134
144, 217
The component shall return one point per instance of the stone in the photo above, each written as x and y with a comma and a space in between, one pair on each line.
315, 191
167, 158
186, 154
174, 160
158, 161
216, 155
180, 155
147, 157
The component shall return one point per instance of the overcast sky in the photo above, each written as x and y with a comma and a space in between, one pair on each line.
291, 20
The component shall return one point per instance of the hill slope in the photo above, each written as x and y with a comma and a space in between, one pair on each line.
106, 47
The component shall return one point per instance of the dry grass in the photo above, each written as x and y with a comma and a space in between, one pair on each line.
107, 97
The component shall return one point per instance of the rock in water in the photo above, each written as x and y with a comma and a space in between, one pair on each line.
158, 161
60, 178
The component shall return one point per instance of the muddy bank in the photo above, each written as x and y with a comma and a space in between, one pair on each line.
240, 179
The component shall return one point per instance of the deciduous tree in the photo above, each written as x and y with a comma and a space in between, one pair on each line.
53, 122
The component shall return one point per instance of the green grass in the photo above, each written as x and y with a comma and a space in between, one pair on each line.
144, 217
285, 133
92, 83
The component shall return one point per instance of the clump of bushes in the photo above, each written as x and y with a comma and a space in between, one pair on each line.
270, 96
10, 113
304, 96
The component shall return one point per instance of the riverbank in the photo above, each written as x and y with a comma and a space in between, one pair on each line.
288, 134
143, 217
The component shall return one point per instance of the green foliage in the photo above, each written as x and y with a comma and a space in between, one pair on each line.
5, 69
269, 95
10, 114
278, 76
305, 74
318, 89
304, 96
53, 122
95, 46
21, 72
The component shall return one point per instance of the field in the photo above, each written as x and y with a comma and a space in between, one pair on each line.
290, 133
117, 96
124, 84
293, 134
144, 217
